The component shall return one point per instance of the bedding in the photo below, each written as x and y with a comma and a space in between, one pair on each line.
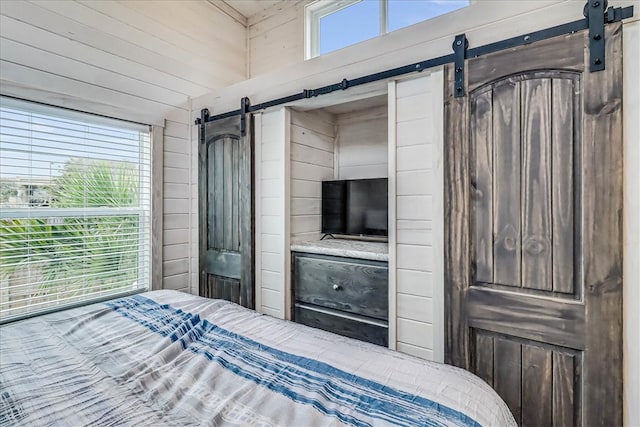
169, 358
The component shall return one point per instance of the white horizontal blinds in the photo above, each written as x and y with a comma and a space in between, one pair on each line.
75, 200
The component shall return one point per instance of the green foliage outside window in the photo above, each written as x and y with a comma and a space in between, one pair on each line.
77, 254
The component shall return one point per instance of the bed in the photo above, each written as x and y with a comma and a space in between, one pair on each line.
169, 358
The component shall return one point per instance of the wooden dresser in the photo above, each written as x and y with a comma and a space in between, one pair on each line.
347, 295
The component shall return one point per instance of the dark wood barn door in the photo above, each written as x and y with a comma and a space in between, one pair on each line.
533, 233
226, 212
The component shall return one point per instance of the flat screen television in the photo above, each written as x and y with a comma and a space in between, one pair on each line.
357, 207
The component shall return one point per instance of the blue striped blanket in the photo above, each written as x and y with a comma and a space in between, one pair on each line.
167, 358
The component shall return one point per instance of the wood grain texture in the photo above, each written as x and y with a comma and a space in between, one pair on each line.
362, 287
228, 190
541, 55
537, 392
539, 319
334, 321
482, 185
225, 168
564, 390
557, 333
456, 230
483, 362
247, 215
565, 136
507, 379
536, 184
602, 239
507, 192
346, 296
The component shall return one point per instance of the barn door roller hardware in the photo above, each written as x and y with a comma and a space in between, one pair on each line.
244, 109
460, 45
596, 17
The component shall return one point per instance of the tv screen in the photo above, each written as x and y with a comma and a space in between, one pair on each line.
355, 207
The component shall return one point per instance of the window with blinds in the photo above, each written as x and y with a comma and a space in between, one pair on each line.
75, 205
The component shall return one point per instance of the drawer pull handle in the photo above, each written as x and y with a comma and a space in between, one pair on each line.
336, 287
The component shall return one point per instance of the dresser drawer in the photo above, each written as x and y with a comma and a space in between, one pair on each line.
346, 284
372, 331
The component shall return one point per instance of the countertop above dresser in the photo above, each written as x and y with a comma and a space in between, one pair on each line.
375, 251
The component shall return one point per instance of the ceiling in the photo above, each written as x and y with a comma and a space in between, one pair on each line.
249, 8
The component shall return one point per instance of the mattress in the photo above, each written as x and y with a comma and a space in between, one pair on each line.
169, 358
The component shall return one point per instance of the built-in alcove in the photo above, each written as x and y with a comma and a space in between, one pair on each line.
392, 129
337, 285
343, 141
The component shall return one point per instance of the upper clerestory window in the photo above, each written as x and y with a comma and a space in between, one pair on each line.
334, 24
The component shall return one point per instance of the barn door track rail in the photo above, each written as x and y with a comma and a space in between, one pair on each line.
596, 17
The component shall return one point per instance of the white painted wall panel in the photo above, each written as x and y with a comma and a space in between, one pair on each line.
272, 211
178, 250
361, 144
311, 162
418, 228
275, 37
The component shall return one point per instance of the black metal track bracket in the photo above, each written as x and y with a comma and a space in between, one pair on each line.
202, 121
594, 11
244, 109
460, 45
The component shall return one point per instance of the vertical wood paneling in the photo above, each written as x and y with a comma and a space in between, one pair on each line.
482, 176
602, 238
563, 378
228, 190
215, 159
506, 190
507, 368
631, 206
483, 358
536, 185
234, 243
536, 386
565, 367
216, 169
457, 214
563, 132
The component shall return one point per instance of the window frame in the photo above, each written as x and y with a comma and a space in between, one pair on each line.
315, 11
144, 211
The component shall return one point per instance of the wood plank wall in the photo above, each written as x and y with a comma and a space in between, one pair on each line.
275, 37
312, 159
138, 61
361, 144
272, 225
418, 227
179, 244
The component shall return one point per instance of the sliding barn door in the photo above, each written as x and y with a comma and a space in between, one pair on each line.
533, 233
226, 212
